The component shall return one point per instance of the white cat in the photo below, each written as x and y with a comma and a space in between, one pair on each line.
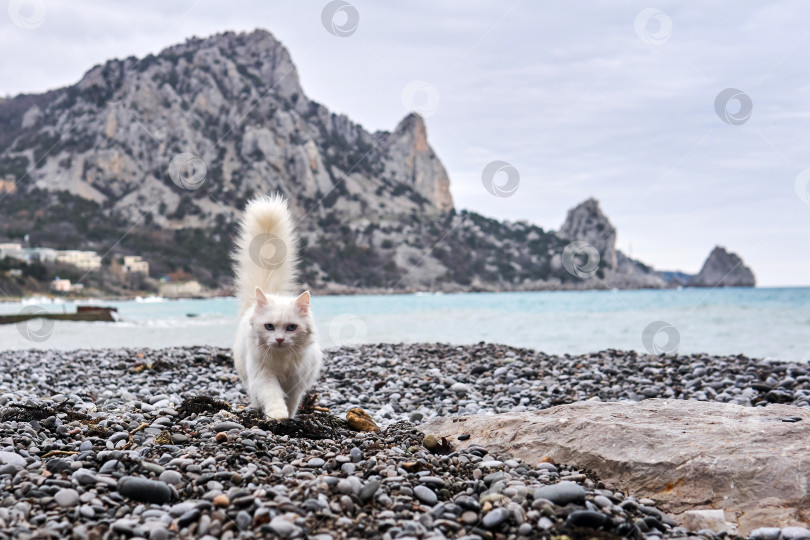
276, 350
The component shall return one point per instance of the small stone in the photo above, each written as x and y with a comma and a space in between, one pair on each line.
243, 520
86, 446
227, 426
369, 490
586, 518
87, 511
562, 493
464, 436
795, 533
282, 527
459, 389
84, 477
344, 486
316, 462
434, 481
416, 416
189, 517
766, 533
431, 442
495, 517
425, 495
12, 458
221, 500
360, 420
469, 517
171, 477
355, 454
159, 533
141, 489
109, 466
525, 529
67, 497
222, 437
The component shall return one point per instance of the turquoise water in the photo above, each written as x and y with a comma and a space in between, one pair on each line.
763, 322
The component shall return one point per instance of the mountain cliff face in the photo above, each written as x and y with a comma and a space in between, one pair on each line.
235, 101
723, 269
586, 222
157, 157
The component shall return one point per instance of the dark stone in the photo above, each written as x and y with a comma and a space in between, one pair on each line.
369, 490
189, 517
143, 490
586, 518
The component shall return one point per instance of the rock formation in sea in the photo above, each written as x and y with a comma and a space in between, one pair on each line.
723, 269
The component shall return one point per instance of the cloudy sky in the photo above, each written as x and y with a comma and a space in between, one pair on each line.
610, 99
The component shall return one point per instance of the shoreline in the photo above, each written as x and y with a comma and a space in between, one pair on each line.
373, 292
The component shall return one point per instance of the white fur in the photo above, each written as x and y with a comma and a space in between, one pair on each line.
275, 374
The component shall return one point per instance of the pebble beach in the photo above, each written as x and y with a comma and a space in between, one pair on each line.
157, 443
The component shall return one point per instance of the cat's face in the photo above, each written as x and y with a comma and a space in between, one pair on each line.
281, 322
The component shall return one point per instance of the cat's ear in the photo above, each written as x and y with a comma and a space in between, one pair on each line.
261, 299
302, 302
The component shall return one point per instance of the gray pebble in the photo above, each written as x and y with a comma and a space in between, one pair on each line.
561, 493
795, 533
66, 497
243, 520
495, 518
425, 495
144, 490
766, 533
171, 477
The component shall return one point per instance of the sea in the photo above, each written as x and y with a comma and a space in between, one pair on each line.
758, 322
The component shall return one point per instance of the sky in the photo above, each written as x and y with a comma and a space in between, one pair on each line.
687, 121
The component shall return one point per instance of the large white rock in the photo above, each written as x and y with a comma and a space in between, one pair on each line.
751, 462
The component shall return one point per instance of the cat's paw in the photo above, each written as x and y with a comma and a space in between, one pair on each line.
277, 413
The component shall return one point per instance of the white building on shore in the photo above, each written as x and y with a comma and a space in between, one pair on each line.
14, 251
64, 285
40, 254
134, 264
84, 260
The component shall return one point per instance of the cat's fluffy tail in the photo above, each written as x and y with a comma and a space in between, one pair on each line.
266, 253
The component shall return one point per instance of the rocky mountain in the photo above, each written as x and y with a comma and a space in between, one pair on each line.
157, 156
723, 269
587, 223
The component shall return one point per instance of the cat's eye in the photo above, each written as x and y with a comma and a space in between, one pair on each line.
269, 326
291, 327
